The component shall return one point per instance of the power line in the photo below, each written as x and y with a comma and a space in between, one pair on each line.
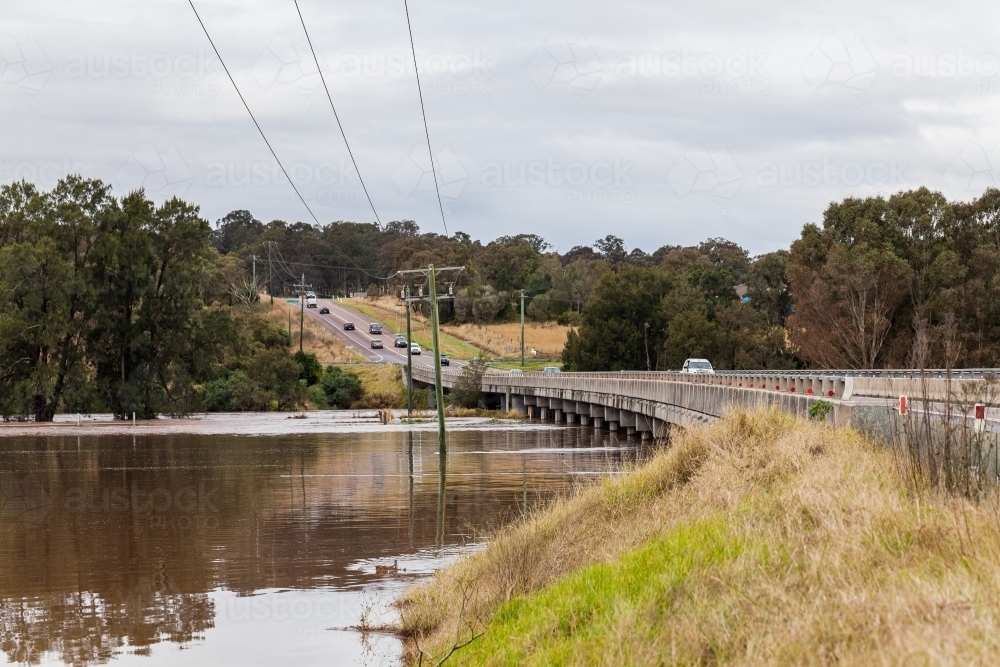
423, 112
247, 107
269, 147
335, 115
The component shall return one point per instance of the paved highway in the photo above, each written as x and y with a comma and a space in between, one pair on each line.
360, 340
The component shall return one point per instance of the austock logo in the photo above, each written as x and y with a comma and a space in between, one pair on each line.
160, 174
972, 171
835, 62
561, 62
713, 172
414, 174
23, 63
23, 500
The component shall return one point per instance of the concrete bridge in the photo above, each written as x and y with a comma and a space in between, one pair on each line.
648, 403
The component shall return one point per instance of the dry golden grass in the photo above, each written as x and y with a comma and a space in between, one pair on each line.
316, 340
759, 540
504, 339
382, 383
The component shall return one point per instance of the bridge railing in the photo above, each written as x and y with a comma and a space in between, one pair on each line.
969, 385
976, 385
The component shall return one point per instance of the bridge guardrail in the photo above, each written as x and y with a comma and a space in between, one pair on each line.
977, 385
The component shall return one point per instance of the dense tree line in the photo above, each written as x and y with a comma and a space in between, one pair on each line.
118, 305
912, 280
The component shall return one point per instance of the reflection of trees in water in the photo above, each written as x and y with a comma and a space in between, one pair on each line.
87, 628
95, 575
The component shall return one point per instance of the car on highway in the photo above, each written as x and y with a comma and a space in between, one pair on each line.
551, 370
348, 326
445, 360
324, 311
414, 348
400, 341
697, 366
516, 371
375, 329
310, 300
376, 344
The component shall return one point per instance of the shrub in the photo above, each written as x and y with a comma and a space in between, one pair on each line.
468, 387
341, 387
820, 409
312, 370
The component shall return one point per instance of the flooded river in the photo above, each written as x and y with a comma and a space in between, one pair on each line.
253, 550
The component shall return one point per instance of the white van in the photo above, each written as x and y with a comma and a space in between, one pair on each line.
697, 366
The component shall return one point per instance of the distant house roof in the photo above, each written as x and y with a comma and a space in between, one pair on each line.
741, 290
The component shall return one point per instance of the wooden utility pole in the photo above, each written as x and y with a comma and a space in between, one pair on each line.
409, 355
431, 274
270, 287
522, 327
438, 389
302, 310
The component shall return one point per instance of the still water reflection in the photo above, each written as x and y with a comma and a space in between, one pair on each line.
251, 550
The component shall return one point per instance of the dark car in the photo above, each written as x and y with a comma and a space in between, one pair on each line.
348, 326
324, 311
445, 360
375, 328
376, 344
400, 341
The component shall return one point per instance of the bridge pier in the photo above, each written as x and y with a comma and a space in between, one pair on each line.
598, 422
557, 415
583, 419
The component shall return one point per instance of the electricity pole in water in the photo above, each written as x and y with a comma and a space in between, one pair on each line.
431, 274
409, 354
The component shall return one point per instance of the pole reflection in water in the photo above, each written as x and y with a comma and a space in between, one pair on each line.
409, 496
248, 550
442, 474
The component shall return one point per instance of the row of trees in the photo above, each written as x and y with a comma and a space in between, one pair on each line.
118, 305
911, 280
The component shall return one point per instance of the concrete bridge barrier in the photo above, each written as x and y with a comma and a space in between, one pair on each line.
648, 403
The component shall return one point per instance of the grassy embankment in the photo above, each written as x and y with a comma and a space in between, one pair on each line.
382, 384
315, 339
757, 540
386, 311
464, 341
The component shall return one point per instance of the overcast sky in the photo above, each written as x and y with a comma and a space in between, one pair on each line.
660, 123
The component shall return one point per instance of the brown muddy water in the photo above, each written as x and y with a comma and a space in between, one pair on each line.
218, 549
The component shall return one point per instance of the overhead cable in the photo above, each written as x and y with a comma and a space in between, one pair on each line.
335, 115
423, 112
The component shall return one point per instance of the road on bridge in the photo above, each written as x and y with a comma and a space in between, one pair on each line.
360, 340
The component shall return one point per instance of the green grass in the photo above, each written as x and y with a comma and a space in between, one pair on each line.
456, 348
579, 620
529, 364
